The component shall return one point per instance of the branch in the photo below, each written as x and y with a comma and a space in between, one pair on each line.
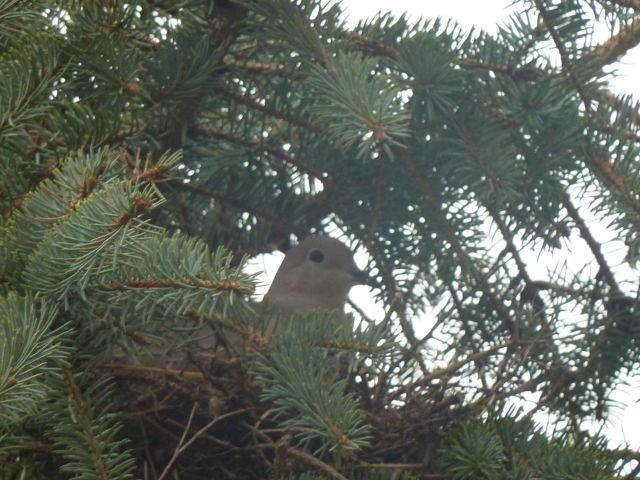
78, 408
564, 56
594, 246
139, 371
626, 39
529, 386
396, 303
452, 237
116, 138
453, 367
301, 455
258, 67
137, 283
200, 190
315, 462
256, 105
371, 45
182, 445
405, 466
178, 448
627, 3
276, 152
608, 170
531, 286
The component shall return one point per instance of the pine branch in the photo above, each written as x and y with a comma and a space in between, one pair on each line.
297, 379
88, 243
256, 105
626, 3
452, 238
57, 198
31, 351
564, 56
370, 45
616, 46
279, 224
276, 152
594, 246
86, 432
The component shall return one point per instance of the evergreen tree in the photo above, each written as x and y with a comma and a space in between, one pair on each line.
150, 147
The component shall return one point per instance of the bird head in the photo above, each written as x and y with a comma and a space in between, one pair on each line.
316, 274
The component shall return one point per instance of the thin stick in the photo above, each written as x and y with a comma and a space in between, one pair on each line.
178, 449
182, 445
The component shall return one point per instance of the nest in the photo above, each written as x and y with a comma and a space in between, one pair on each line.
206, 420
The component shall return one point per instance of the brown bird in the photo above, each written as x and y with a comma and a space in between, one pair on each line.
316, 274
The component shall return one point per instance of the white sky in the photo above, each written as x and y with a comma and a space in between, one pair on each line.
624, 423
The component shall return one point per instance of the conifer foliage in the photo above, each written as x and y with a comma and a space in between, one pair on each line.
148, 148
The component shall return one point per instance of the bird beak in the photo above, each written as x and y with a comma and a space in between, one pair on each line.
361, 277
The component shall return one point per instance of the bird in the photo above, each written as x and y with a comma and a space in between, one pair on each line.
315, 275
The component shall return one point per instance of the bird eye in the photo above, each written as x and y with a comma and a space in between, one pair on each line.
316, 256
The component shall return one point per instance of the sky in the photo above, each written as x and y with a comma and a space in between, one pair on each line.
624, 423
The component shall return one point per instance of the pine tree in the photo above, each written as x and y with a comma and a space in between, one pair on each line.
149, 148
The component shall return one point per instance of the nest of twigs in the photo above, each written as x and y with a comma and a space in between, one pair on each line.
206, 420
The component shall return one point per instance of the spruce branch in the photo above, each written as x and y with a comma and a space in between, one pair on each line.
255, 104
469, 335
258, 68
163, 277
184, 444
86, 431
73, 252
78, 405
616, 46
531, 291
276, 152
315, 462
31, 350
297, 379
140, 283
396, 303
279, 224
359, 109
456, 366
57, 198
27, 79
370, 45
626, 3
435, 204
564, 56
594, 246
144, 371
297, 453
607, 169
284, 20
